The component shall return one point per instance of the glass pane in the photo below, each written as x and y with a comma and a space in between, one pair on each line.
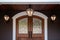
37, 26
23, 29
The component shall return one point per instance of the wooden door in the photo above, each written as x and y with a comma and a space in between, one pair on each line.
29, 28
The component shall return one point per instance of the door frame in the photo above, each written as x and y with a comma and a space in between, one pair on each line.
35, 13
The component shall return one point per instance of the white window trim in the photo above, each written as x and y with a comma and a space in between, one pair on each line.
35, 13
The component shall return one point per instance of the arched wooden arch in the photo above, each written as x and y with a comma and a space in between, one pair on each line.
36, 14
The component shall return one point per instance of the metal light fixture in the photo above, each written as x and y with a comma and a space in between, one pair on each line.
29, 11
53, 17
6, 17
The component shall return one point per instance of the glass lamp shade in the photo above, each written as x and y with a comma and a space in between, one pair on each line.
53, 17
29, 12
6, 17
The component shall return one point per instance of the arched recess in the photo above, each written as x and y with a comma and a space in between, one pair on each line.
35, 13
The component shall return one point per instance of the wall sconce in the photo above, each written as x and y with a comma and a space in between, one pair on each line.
6, 17
53, 17
29, 12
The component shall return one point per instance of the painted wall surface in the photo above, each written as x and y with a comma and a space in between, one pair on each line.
6, 27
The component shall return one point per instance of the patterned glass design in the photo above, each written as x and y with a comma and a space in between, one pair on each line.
23, 26
37, 26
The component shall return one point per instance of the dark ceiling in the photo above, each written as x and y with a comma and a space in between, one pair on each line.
12, 9
35, 7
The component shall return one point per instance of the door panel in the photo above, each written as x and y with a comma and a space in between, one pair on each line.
23, 26
38, 29
37, 26
38, 38
22, 38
